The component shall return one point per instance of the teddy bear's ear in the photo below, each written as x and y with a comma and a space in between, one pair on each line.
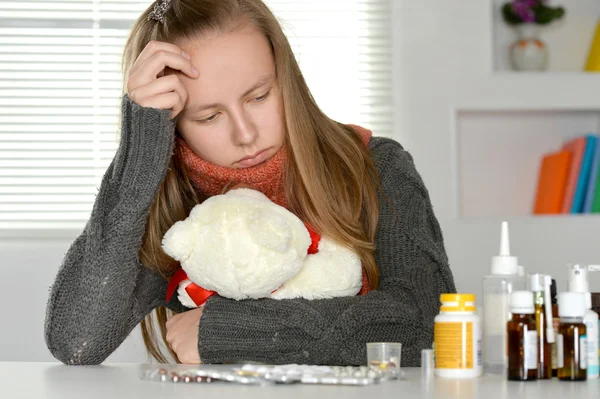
179, 240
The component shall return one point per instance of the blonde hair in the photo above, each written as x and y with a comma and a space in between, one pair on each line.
331, 180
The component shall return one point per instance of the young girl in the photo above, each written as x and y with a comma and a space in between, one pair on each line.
213, 98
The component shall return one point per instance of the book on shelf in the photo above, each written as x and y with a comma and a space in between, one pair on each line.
593, 60
584, 174
552, 182
593, 185
596, 195
569, 178
576, 147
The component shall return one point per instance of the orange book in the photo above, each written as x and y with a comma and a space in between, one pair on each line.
576, 147
552, 182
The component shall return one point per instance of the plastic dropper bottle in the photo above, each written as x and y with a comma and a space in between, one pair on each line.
497, 287
578, 282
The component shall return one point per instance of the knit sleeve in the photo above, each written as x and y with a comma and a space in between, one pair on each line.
102, 291
414, 271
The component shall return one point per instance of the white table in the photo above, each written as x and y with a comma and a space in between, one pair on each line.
54, 380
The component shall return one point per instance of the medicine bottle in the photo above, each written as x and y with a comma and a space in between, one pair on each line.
522, 338
457, 338
571, 339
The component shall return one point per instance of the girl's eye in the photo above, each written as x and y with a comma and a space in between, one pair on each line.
210, 119
262, 98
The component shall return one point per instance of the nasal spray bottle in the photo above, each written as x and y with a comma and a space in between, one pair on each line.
578, 282
497, 287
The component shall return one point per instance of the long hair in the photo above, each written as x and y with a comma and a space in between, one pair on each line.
331, 181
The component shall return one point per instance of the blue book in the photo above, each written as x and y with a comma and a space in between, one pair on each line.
584, 174
593, 180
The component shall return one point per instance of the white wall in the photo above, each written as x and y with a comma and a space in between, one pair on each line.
442, 57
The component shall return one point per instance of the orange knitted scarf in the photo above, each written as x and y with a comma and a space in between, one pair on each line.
267, 177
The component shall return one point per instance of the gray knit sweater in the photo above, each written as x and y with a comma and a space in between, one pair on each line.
102, 291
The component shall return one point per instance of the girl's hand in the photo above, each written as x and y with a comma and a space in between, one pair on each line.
147, 84
182, 335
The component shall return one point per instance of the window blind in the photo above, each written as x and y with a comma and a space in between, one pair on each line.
60, 88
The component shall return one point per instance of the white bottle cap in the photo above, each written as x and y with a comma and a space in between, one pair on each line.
537, 282
571, 304
505, 264
521, 302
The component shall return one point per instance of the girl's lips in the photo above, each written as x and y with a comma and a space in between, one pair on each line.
258, 158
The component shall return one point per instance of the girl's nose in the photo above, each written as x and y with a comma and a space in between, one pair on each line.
244, 131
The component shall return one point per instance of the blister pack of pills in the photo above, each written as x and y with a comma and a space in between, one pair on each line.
329, 375
255, 374
176, 373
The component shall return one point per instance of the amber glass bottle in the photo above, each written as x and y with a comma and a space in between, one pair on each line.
522, 338
571, 338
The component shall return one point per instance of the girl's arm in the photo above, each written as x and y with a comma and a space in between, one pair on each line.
101, 291
414, 272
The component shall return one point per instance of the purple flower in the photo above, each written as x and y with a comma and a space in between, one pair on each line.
523, 9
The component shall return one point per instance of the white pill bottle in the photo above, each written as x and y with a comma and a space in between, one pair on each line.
457, 338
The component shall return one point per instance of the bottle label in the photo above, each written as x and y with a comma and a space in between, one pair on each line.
583, 352
530, 348
592, 349
454, 345
560, 357
553, 346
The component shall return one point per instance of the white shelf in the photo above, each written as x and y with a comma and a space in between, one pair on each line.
498, 151
533, 91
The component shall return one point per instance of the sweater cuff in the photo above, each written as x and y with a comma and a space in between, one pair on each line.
145, 149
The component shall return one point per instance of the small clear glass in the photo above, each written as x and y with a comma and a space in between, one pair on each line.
385, 356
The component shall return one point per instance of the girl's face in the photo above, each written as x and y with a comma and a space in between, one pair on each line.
233, 116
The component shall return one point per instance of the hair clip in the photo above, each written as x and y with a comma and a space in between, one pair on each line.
160, 7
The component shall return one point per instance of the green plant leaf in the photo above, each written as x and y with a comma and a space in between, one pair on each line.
509, 16
545, 14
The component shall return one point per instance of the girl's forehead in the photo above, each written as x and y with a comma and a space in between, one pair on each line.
229, 63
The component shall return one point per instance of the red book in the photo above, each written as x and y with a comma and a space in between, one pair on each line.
576, 147
552, 182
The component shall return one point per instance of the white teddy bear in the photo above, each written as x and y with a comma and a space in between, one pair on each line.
241, 245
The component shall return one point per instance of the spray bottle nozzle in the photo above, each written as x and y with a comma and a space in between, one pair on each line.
578, 280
